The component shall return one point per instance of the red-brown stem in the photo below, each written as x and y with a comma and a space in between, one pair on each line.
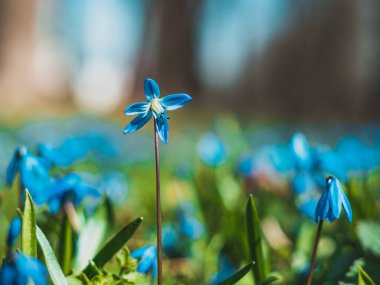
313, 257
158, 208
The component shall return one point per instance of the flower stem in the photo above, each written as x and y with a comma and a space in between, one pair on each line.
158, 208
315, 248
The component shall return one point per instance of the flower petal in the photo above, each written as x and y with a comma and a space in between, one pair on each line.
162, 127
335, 196
175, 101
151, 89
138, 122
14, 231
347, 207
137, 108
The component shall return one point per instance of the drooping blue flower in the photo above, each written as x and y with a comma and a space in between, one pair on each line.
69, 188
34, 174
155, 107
14, 231
19, 269
331, 202
300, 150
147, 256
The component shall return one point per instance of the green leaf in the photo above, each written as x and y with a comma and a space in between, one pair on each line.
28, 234
65, 245
52, 264
113, 246
238, 275
369, 233
92, 235
271, 278
254, 240
363, 277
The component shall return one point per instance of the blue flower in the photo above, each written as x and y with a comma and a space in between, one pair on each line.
34, 174
155, 107
148, 260
330, 204
212, 150
225, 271
300, 150
14, 231
308, 207
190, 227
69, 188
169, 238
19, 269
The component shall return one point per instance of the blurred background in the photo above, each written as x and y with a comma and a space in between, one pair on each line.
284, 93
294, 60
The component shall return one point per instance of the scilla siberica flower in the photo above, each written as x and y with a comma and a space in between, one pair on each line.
18, 268
34, 174
330, 204
155, 107
148, 260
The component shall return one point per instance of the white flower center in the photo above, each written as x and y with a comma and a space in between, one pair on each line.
156, 106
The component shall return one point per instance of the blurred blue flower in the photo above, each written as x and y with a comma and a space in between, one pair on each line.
19, 269
14, 231
190, 226
156, 107
225, 270
169, 238
300, 150
246, 165
330, 204
34, 174
330, 163
69, 188
147, 260
71, 150
303, 182
211, 150
115, 186
308, 207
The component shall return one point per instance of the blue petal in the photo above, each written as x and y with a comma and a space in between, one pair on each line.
154, 271
175, 101
334, 189
347, 207
138, 122
162, 127
138, 253
7, 274
14, 231
137, 108
322, 207
30, 267
53, 155
151, 89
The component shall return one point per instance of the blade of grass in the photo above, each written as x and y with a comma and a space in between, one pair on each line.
65, 245
28, 234
254, 240
112, 246
238, 275
51, 261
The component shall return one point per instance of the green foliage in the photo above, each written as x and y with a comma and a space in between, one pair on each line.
254, 240
363, 277
238, 275
51, 261
92, 234
65, 245
28, 235
369, 233
112, 247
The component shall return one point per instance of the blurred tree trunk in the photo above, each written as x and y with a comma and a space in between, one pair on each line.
177, 43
